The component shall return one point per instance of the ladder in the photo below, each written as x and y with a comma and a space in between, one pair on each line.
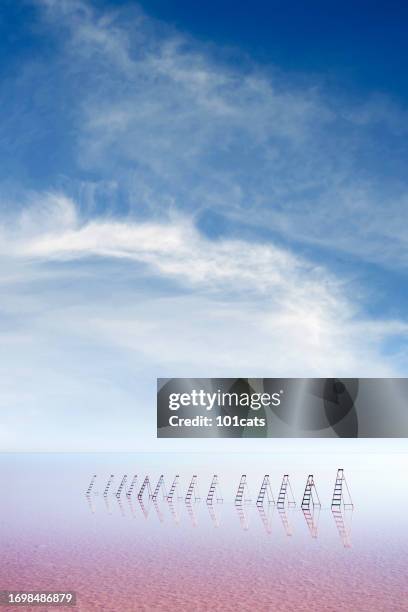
214, 489
173, 487
341, 492
108, 485
265, 489
160, 484
146, 483
242, 489
286, 493
91, 485
192, 488
121, 486
132, 486
310, 494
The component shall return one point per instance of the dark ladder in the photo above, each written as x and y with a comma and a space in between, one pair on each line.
132, 486
146, 483
173, 488
310, 495
159, 485
108, 485
91, 485
192, 488
121, 486
341, 491
242, 489
286, 493
214, 488
265, 490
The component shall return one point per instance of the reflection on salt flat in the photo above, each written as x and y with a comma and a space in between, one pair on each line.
173, 511
213, 512
312, 517
343, 519
265, 517
243, 516
284, 517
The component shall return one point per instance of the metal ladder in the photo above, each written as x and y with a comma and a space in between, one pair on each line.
146, 483
121, 486
173, 487
192, 488
214, 488
265, 490
108, 485
242, 488
160, 484
310, 494
91, 485
132, 486
286, 493
341, 491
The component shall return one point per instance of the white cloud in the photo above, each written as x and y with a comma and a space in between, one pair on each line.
285, 295
95, 309
53, 230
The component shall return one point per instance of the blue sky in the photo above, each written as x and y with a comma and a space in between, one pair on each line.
192, 193
359, 45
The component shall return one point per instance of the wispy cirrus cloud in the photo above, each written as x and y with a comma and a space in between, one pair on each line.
176, 126
95, 309
262, 284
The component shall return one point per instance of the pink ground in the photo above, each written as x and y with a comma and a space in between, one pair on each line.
124, 563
